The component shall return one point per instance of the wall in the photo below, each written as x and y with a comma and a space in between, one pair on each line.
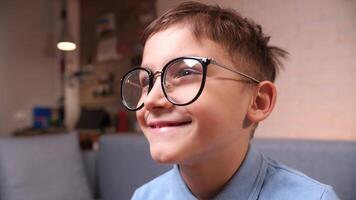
29, 69
316, 91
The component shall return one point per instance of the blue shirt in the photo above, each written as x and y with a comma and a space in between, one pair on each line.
257, 178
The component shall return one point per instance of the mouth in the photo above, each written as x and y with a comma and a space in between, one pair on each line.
162, 124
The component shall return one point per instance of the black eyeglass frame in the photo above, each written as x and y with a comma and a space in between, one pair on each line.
153, 75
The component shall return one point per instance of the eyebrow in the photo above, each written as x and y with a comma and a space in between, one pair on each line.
149, 65
170, 59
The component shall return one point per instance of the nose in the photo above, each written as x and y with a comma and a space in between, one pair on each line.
155, 98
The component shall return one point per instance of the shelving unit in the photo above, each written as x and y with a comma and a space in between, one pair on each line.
101, 88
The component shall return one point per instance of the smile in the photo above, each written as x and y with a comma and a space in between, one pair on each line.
162, 124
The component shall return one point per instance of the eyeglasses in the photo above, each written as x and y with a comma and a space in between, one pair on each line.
182, 81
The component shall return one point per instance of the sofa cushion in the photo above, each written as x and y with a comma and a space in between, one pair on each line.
91, 169
124, 164
42, 168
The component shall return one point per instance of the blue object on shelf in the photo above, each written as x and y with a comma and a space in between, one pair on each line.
41, 117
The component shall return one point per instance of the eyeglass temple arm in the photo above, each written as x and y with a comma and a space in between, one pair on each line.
235, 71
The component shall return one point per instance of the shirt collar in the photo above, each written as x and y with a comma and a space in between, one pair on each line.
245, 183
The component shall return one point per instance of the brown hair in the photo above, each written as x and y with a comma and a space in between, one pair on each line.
241, 37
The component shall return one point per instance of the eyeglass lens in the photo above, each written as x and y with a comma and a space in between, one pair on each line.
182, 81
134, 88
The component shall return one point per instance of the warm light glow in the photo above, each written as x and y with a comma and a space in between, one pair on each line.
66, 46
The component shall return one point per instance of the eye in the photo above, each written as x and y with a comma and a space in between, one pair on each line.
187, 71
144, 81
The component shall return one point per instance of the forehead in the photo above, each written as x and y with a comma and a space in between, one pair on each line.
177, 41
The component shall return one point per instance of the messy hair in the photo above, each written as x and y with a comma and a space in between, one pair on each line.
242, 38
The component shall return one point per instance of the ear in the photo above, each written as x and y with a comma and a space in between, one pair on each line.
262, 102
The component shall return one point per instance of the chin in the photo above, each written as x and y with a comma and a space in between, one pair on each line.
163, 156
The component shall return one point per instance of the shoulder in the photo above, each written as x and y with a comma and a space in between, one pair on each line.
282, 182
156, 188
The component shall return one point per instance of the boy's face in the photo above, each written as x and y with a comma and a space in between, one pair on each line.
215, 123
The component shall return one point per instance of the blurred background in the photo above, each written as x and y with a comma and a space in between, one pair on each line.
44, 89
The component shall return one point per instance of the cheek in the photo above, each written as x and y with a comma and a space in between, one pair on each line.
219, 108
140, 117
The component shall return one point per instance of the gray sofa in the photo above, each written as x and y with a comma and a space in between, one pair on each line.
123, 163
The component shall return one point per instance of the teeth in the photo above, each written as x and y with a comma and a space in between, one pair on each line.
167, 125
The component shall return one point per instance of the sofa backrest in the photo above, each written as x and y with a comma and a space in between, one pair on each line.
330, 162
124, 163
42, 167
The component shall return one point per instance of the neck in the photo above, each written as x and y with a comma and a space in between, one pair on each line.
207, 177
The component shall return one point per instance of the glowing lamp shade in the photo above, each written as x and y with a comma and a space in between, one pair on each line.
66, 46
66, 41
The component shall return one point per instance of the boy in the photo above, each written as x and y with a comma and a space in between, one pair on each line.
205, 83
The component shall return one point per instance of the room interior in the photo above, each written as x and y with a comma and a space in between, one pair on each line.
44, 90
316, 98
